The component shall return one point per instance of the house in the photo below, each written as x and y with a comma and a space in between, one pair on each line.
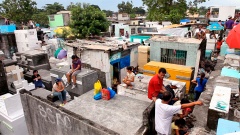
60, 19
120, 29
109, 57
123, 16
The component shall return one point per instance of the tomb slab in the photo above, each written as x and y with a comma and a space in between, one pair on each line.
85, 79
121, 114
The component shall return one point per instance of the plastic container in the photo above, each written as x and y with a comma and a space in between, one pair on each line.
105, 94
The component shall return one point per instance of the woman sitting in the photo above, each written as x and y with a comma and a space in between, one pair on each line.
58, 90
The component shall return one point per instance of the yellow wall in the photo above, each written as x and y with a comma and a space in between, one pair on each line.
176, 72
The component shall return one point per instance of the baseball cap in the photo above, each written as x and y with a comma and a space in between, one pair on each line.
58, 80
229, 16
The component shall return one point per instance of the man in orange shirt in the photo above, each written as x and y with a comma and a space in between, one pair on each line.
155, 86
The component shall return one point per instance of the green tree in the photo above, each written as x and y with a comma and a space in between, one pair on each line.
53, 8
166, 9
132, 15
125, 7
202, 10
72, 5
96, 6
41, 18
108, 12
87, 20
139, 10
18, 10
192, 7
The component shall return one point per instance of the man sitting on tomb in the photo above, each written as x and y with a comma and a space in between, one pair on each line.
155, 86
76, 68
129, 79
58, 90
164, 113
37, 80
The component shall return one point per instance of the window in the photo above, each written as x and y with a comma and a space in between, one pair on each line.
173, 56
133, 31
51, 18
215, 12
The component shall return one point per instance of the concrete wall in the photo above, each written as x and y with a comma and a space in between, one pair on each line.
44, 118
155, 49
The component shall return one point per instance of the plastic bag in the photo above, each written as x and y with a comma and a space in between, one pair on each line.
98, 96
97, 87
112, 92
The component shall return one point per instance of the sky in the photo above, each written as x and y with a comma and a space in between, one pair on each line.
112, 4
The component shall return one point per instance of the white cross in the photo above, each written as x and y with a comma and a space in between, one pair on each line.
18, 72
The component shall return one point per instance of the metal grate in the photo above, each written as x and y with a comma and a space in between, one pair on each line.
173, 56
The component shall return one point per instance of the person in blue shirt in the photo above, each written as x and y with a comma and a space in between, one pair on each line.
201, 83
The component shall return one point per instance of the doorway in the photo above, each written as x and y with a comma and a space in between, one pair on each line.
116, 76
121, 31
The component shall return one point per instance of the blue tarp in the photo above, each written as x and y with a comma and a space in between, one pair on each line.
185, 20
123, 62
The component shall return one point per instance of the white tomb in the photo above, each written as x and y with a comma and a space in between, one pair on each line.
26, 40
221, 99
21, 83
12, 116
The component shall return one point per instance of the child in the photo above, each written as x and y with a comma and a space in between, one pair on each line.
219, 44
179, 127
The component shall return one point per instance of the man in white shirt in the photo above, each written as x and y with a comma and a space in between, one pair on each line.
165, 112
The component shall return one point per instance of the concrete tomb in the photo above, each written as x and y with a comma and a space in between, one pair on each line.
33, 60
85, 79
21, 83
219, 106
121, 114
49, 49
140, 89
12, 116
45, 76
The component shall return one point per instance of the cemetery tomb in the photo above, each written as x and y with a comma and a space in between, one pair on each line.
140, 89
33, 60
26, 40
8, 44
12, 116
85, 79
45, 76
219, 106
121, 114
